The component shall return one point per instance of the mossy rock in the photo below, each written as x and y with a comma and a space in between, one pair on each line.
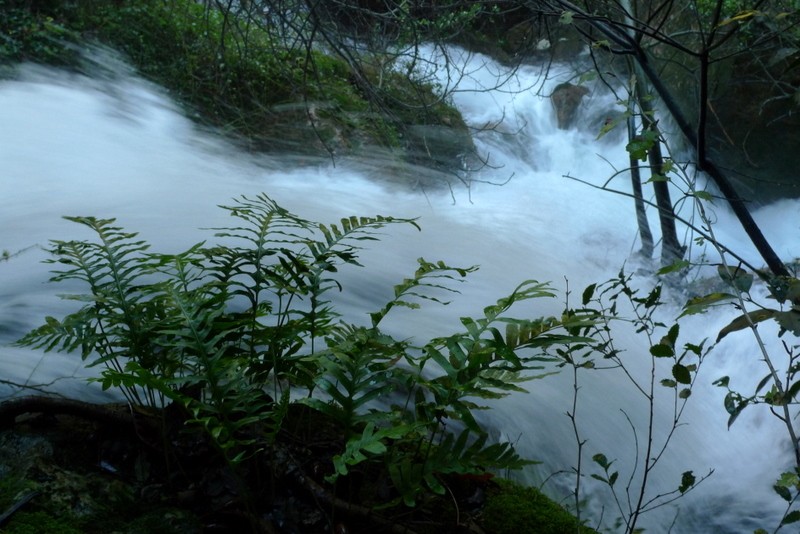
236, 77
514, 509
50, 465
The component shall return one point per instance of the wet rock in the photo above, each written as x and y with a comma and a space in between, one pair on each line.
566, 99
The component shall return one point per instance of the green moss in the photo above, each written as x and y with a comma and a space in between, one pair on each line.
514, 509
154, 521
121, 512
11, 488
29, 520
39, 522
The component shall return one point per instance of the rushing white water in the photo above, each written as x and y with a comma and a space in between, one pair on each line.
119, 148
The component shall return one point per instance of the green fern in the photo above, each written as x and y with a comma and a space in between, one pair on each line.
283, 269
228, 330
355, 370
113, 325
442, 380
429, 276
371, 442
483, 363
463, 455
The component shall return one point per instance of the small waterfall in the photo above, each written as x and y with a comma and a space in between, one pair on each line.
118, 147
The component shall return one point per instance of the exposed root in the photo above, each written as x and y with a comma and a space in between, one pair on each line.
111, 414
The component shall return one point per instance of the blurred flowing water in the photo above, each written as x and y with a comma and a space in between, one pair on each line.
115, 146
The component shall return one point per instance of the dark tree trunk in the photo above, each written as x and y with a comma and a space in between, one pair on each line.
671, 248
645, 234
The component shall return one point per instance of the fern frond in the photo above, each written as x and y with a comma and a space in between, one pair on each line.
268, 223
117, 260
429, 277
75, 332
462, 455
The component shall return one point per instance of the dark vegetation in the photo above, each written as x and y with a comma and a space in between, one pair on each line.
85, 476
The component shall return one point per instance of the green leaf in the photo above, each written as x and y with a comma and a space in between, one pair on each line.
701, 304
764, 382
673, 267
434, 484
789, 321
667, 383
730, 402
639, 147
672, 334
792, 290
587, 76
784, 492
745, 320
601, 460
774, 397
588, 293
789, 480
369, 441
791, 517
660, 350
739, 17
681, 374
734, 405
566, 17
609, 124
687, 481
737, 278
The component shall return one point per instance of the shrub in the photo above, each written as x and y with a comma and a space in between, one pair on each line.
228, 331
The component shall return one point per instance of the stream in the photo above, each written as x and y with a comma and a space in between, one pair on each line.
116, 146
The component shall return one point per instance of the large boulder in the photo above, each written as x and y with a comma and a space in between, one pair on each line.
566, 99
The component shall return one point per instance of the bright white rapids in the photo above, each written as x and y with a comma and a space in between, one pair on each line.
118, 147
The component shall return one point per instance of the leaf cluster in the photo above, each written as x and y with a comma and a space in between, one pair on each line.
782, 391
232, 331
779, 387
672, 366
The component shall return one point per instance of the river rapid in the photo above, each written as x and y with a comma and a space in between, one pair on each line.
113, 145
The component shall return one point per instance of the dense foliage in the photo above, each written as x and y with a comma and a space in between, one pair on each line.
237, 332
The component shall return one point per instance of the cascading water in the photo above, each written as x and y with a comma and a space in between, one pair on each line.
117, 147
